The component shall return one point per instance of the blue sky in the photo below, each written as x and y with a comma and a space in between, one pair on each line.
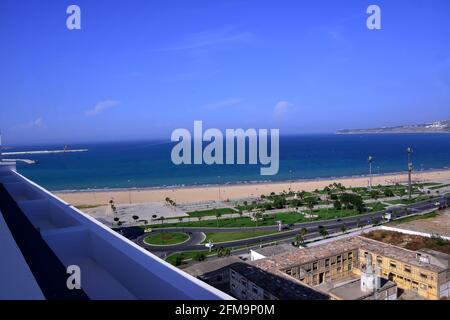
139, 69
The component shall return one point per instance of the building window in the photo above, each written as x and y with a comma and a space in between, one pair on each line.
338, 259
327, 262
289, 272
423, 286
408, 269
350, 255
423, 276
393, 265
315, 264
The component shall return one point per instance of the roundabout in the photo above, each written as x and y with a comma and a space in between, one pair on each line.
166, 238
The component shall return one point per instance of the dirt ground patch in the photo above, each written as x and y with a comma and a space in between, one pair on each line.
437, 225
410, 242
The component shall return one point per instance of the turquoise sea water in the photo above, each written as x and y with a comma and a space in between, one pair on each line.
148, 164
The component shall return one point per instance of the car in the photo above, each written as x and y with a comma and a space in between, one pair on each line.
339, 220
437, 204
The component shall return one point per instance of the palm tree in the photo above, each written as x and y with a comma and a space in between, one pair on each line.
180, 219
323, 232
199, 218
218, 215
135, 218
310, 203
300, 238
359, 224
259, 215
344, 228
162, 220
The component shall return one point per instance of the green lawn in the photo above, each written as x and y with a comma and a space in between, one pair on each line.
184, 255
166, 238
211, 212
413, 218
217, 237
269, 220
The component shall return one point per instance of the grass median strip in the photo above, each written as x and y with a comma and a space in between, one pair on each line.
217, 237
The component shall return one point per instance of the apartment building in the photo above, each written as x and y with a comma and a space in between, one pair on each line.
349, 269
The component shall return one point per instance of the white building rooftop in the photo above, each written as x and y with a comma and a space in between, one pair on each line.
43, 235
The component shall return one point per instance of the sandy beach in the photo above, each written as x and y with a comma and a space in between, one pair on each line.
207, 193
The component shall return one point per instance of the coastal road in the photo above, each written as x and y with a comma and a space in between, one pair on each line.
330, 225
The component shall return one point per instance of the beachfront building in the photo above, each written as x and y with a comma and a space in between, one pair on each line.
51, 250
355, 268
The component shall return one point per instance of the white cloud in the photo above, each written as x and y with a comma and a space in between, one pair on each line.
33, 124
224, 103
281, 108
211, 38
101, 107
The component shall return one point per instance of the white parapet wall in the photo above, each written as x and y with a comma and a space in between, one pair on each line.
112, 267
411, 232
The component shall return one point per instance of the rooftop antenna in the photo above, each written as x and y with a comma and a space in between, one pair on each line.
409, 151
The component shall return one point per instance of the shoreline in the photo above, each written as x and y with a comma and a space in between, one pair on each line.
245, 182
231, 191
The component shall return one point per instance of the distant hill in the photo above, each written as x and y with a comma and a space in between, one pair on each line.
435, 127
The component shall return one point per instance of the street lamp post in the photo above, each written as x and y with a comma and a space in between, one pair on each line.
409, 151
370, 160
219, 186
290, 180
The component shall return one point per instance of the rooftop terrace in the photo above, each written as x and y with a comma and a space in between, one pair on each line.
42, 235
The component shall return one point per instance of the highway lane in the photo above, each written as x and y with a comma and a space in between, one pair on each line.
312, 227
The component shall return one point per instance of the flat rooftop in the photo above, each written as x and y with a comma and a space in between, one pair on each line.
309, 254
352, 290
397, 253
305, 255
277, 283
275, 249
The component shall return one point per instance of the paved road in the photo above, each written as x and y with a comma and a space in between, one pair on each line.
312, 227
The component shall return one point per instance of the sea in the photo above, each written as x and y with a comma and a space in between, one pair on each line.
147, 164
